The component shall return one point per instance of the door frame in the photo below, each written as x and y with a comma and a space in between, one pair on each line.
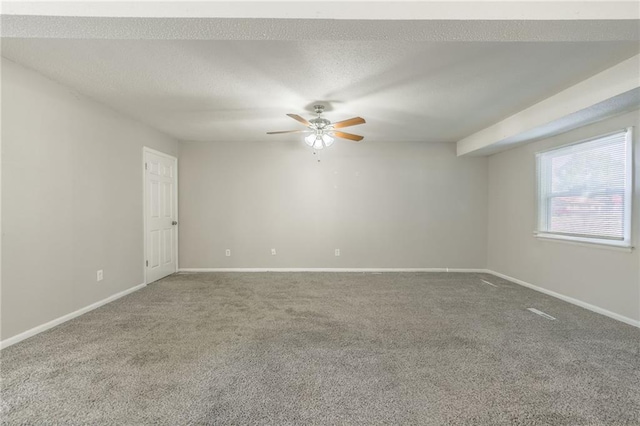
145, 150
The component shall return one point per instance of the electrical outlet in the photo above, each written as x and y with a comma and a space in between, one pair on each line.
227, 252
100, 275
273, 252
337, 252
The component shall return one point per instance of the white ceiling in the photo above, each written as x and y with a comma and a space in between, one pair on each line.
343, 9
225, 90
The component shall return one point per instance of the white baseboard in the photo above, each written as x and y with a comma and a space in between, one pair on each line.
43, 327
571, 300
332, 270
39, 329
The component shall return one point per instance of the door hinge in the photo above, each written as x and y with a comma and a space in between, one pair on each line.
145, 166
147, 263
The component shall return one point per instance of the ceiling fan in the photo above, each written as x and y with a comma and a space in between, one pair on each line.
322, 131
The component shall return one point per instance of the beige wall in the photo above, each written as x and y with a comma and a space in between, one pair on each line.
71, 199
384, 205
72, 204
605, 278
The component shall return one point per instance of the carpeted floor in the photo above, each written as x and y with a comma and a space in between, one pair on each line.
328, 348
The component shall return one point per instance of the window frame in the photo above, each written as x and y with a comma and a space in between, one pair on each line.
542, 207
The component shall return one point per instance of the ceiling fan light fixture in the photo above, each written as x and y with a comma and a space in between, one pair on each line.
328, 140
310, 140
318, 144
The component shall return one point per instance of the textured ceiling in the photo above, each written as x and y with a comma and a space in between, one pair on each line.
229, 90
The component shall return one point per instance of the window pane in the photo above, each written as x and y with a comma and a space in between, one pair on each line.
591, 216
583, 188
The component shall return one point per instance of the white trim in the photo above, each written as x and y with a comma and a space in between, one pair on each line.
593, 308
585, 242
333, 270
46, 326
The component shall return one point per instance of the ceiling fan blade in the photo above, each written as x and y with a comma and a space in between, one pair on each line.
350, 122
288, 131
300, 119
350, 136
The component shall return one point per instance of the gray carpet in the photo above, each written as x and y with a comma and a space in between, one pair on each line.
328, 348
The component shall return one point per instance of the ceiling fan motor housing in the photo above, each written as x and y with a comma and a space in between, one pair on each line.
320, 123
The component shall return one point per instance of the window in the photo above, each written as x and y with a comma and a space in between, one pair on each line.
584, 190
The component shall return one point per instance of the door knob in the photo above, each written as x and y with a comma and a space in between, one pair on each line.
174, 222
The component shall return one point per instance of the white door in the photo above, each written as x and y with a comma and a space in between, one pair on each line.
161, 214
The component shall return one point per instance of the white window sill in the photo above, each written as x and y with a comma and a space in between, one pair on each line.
585, 242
